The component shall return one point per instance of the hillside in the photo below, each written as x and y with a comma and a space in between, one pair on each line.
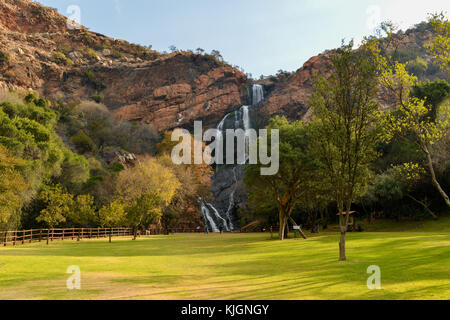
41, 53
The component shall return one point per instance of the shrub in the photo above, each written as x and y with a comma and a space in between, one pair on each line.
417, 67
90, 54
60, 58
92, 80
4, 57
82, 142
116, 167
98, 97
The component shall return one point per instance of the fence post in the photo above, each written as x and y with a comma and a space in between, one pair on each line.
15, 238
82, 233
53, 233
63, 234
40, 235
48, 235
23, 237
31, 236
6, 238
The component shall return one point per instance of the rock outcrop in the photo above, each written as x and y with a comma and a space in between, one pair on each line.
175, 92
290, 98
166, 90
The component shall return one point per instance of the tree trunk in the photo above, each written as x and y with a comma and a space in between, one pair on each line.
325, 221
342, 255
134, 233
434, 179
286, 228
282, 226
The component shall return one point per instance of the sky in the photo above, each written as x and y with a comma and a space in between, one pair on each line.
261, 36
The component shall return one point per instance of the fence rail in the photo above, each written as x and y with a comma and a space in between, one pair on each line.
39, 235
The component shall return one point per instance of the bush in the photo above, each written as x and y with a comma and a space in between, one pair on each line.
4, 57
92, 80
83, 143
98, 97
417, 67
90, 54
60, 58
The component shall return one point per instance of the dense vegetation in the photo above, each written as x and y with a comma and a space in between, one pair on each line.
352, 155
74, 165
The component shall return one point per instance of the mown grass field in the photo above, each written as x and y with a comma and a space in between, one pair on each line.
414, 264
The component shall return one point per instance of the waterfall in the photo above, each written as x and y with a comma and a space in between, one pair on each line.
257, 94
246, 117
214, 219
208, 219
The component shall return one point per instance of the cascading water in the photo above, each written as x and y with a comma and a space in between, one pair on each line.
210, 223
216, 222
257, 94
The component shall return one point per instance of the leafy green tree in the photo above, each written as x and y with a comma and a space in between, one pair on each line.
146, 189
13, 185
82, 212
58, 206
145, 210
434, 93
285, 189
113, 215
195, 182
411, 120
346, 127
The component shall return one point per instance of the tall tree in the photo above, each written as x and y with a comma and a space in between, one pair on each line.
112, 215
411, 120
13, 185
59, 204
195, 180
146, 189
284, 189
346, 127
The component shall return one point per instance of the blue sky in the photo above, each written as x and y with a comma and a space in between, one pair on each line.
261, 36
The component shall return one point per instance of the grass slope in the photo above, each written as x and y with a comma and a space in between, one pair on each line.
414, 265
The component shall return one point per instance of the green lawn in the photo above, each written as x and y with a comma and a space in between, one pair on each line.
414, 265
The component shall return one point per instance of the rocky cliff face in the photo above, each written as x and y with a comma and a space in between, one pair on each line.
177, 91
168, 90
290, 98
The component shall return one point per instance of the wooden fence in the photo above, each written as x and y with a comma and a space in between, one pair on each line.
48, 235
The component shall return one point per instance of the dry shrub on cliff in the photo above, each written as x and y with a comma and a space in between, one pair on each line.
90, 110
10, 96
